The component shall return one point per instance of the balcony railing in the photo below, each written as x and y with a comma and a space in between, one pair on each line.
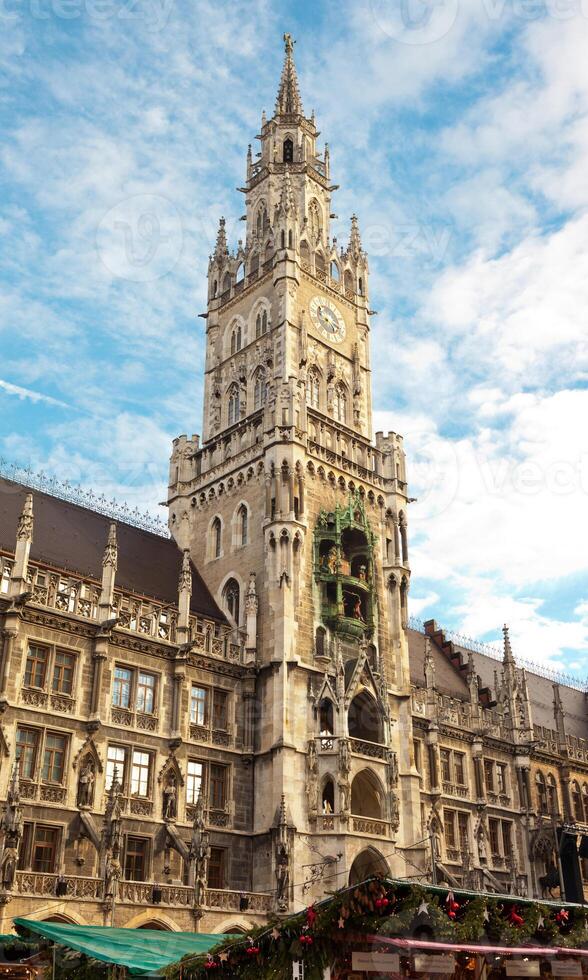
372, 749
140, 893
369, 825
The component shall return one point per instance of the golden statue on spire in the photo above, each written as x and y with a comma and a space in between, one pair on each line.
289, 43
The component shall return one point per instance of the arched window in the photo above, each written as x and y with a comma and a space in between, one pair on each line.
328, 796
320, 641
541, 792
552, 801
226, 282
367, 795
260, 389
214, 288
236, 339
577, 804
288, 151
243, 524
313, 388
305, 252
290, 239
240, 273
261, 323
363, 719
319, 262
335, 271
314, 221
348, 282
254, 263
261, 221
360, 286
234, 407
231, 599
216, 537
326, 717
340, 403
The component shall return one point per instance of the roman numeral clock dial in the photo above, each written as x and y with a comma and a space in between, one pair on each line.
327, 319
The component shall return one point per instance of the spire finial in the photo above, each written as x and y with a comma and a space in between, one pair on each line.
508, 654
25, 522
221, 239
355, 237
110, 556
288, 101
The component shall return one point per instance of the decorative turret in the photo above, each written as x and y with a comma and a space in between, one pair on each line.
24, 540
288, 101
184, 595
355, 248
109, 566
508, 657
220, 249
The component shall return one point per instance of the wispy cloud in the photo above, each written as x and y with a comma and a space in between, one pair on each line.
33, 396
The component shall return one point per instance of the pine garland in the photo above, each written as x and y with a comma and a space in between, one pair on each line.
323, 935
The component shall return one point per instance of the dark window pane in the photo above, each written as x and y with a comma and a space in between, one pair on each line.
36, 667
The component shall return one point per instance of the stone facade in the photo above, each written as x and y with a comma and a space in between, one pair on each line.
196, 731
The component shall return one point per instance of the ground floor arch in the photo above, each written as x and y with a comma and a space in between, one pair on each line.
367, 863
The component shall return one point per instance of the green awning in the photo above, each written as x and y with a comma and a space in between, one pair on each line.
140, 950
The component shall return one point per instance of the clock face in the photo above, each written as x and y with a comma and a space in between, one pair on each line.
327, 319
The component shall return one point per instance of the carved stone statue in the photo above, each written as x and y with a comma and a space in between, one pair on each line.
199, 853
344, 756
394, 811
481, 839
8, 867
312, 779
282, 876
344, 796
170, 800
86, 784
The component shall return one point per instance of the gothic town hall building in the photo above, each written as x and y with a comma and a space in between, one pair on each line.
200, 728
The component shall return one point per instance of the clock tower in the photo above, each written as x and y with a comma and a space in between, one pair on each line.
296, 518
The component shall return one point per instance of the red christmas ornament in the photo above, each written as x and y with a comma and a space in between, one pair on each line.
252, 950
310, 916
382, 902
306, 940
452, 905
514, 918
562, 917
210, 964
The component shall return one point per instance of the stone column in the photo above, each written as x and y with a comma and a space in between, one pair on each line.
477, 750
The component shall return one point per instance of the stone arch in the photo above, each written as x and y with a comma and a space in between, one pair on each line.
328, 794
261, 219
240, 925
67, 918
364, 718
288, 149
154, 920
305, 252
367, 796
367, 863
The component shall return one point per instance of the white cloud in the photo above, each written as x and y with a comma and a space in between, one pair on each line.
33, 396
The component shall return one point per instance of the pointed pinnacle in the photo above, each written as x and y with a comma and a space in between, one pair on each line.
221, 239
354, 237
288, 101
25, 521
508, 654
110, 556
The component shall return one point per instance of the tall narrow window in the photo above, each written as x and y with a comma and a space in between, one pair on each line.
199, 705
552, 801
36, 667
260, 389
54, 758
489, 775
445, 765
463, 824
218, 787
136, 859
194, 777
231, 599
216, 532
45, 849
449, 820
121, 687
216, 868
340, 403
63, 672
493, 827
288, 156
236, 339
115, 759
313, 387
145, 693
220, 711
234, 404
140, 773
27, 742
243, 524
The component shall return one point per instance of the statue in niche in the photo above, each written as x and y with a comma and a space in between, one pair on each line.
363, 573
170, 799
481, 839
8, 869
282, 875
357, 613
394, 811
344, 796
86, 784
332, 560
344, 755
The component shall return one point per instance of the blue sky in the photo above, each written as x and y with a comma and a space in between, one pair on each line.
458, 131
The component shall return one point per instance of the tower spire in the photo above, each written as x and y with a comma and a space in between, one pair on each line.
288, 101
508, 654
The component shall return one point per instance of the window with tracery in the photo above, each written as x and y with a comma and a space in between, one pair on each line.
243, 524
236, 339
340, 403
261, 324
216, 531
313, 388
260, 390
314, 220
231, 599
234, 404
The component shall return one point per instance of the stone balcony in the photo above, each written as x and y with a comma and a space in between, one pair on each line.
87, 889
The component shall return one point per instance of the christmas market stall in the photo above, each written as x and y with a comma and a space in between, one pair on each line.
383, 927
